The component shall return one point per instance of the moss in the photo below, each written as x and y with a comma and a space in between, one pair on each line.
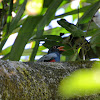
23, 87
38, 82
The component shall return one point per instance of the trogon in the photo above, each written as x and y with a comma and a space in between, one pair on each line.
53, 54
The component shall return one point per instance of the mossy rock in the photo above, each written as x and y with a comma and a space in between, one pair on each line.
35, 81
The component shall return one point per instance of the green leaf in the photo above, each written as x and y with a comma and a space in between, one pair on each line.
49, 44
95, 40
76, 32
49, 37
46, 19
81, 83
75, 55
88, 15
83, 9
40, 50
9, 16
8, 25
24, 34
34, 7
16, 19
55, 31
89, 1
27, 52
48, 16
92, 32
69, 51
91, 25
46, 4
13, 24
6, 51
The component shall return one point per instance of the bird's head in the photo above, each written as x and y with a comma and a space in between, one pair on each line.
59, 49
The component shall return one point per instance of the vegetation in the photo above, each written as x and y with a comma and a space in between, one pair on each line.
31, 29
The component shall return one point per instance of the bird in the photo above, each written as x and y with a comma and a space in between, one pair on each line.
53, 54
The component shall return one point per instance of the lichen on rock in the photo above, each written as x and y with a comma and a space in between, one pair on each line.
17, 83
34, 81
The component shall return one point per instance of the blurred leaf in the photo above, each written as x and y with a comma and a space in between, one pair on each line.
13, 24
34, 7
40, 50
64, 3
21, 1
92, 32
45, 20
96, 50
49, 44
7, 25
83, 82
55, 31
62, 58
17, 17
83, 9
89, 1
49, 37
88, 15
16, 30
18, 27
27, 52
74, 56
46, 4
47, 17
9, 16
76, 32
95, 40
69, 51
24, 34
86, 25
6, 51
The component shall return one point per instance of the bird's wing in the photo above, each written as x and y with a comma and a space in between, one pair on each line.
47, 57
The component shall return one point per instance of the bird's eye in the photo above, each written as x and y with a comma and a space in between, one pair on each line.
54, 47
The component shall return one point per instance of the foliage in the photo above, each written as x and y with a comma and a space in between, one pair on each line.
31, 29
82, 82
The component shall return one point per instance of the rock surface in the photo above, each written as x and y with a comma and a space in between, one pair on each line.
34, 81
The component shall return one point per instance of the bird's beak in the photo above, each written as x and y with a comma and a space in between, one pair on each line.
61, 48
